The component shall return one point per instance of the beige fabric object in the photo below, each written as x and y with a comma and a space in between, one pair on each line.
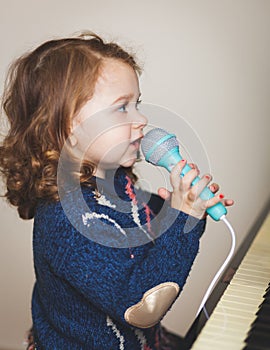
153, 306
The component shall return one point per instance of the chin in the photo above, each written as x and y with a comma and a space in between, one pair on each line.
129, 163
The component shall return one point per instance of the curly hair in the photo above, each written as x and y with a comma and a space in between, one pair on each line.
44, 90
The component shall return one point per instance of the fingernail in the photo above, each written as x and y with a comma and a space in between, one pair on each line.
221, 196
183, 160
207, 177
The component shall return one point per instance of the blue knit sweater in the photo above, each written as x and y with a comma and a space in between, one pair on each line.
90, 271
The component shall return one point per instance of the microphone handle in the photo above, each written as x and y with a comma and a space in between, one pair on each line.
170, 160
217, 210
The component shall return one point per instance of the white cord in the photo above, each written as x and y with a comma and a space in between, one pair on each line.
224, 265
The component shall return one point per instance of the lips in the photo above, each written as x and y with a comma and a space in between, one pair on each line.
136, 143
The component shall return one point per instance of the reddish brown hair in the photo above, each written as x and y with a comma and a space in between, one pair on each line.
44, 90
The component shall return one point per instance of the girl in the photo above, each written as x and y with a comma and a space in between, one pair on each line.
97, 286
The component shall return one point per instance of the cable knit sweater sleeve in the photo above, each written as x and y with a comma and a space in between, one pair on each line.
110, 278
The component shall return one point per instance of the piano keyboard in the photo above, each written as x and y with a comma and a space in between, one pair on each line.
229, 324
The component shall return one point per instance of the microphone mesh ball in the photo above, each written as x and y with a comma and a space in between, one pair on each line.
150, 143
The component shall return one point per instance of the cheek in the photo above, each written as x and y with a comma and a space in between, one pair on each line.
116, 137
110, 145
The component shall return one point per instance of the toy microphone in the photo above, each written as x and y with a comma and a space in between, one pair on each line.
162, 148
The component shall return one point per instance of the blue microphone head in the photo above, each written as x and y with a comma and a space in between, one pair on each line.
158, 145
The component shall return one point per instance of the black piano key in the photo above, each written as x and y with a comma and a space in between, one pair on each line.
254, 347
265, 305
266, 301
256, 326
260, 319
267, 295
259, 339
258, 330
264, 312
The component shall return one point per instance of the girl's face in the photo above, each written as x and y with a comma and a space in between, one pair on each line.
108, 129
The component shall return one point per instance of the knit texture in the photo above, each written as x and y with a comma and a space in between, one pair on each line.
85, 280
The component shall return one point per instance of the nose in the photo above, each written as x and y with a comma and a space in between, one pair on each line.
139, 120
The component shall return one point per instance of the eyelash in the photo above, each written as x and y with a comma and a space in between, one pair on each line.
138, 103
123, 107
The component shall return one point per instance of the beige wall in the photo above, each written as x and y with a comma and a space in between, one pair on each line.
207, 60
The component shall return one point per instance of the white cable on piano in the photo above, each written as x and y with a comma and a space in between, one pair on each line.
223, 266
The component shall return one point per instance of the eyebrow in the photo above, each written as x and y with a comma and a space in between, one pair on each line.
125, 97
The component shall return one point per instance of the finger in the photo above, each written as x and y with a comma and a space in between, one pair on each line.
199, 186
217, 199
214, 200
228, 202
176, 172
194, 166
214, 187
190, 177
164, 193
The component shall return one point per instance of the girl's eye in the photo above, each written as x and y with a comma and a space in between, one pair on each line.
123, 108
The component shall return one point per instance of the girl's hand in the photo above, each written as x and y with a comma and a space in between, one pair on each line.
185, 197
